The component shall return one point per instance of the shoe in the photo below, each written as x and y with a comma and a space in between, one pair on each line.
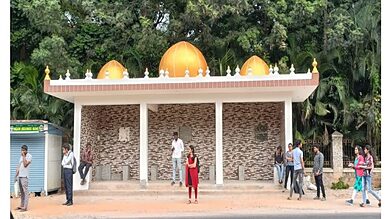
379, 204
65, 203
299, 199
361, 205
349, 202
172, 183
22, 210
368, 202
69, 204
316, 198
196, 201
82, 182
181, 184
288, 198
18, 208
323, 199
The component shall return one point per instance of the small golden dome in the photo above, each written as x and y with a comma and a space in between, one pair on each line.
115, 69
181, 56
258, 66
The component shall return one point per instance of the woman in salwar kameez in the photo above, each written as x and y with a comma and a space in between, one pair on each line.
192, 174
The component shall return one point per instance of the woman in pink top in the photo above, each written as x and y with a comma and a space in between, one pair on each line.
359, 161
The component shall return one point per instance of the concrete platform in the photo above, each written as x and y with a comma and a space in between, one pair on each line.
121, 188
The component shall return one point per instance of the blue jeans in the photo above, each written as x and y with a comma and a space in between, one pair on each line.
176, 163
367, 186
280, 169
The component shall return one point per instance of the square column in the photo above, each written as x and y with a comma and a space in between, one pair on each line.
143, 147
76, 147
218, 143
288, 129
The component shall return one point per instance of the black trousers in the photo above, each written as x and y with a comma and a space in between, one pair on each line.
81, 168
319, 185
289, 169
68, 182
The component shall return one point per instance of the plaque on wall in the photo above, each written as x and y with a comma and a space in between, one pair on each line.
124, 134
261, 132
185, 133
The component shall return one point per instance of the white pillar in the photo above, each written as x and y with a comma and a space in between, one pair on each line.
143, 141
76, 146
288, 130
218, 143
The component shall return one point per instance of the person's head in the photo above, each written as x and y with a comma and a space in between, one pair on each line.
298, 143
368, 150
358, 150
24, 149
290, 146
191, 149
279, 149
315, 148
175, 135
65, 148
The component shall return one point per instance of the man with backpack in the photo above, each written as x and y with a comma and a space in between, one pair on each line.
68, 165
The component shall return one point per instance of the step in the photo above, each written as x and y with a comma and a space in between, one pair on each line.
165, 185
183, 192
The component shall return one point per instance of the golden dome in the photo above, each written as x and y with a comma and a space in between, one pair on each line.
115, 69
181, 56
258, 66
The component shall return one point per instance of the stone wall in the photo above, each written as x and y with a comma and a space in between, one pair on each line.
240, 145
239, 142
199, 118
105, 121
348, 176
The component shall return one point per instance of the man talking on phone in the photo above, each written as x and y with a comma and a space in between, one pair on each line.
22, 173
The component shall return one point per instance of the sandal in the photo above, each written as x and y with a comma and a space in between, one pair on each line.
196, 202
189, 202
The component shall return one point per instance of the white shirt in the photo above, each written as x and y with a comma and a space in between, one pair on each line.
24, 171
67, 160
179, 147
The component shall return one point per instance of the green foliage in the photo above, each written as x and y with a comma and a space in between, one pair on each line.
340, 184
344, 37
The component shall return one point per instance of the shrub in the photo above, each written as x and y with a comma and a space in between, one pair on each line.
340, 184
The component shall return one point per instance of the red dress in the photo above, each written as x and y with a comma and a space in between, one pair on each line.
191, 174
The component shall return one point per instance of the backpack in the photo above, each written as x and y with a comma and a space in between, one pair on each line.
74, 165
197, 164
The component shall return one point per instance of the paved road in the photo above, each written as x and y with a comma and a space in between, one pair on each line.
290, 216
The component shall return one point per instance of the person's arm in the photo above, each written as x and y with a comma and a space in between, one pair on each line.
90, 157
26, 160
321, 164
370, 164
302, 163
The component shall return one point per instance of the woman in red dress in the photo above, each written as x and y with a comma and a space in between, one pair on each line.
192, 174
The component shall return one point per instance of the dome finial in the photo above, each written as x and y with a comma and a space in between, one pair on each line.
47, 72
314, 64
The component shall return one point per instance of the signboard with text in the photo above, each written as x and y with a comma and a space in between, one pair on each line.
27, 128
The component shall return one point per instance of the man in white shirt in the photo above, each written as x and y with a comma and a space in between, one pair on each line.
177, 149
22, 173
67, 164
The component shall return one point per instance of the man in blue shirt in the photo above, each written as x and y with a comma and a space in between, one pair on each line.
299, 167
